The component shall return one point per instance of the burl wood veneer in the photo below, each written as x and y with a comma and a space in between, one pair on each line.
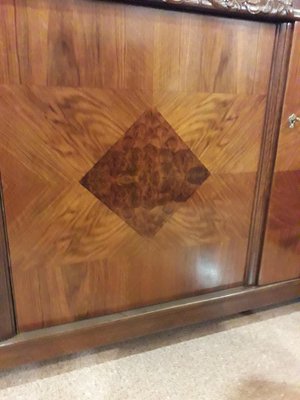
146, 175
129, 146
281, 254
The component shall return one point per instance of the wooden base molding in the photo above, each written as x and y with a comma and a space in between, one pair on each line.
65, 339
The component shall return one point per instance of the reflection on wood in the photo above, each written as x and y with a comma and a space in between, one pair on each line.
70, 97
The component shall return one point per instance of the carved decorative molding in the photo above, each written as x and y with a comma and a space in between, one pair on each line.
254, 7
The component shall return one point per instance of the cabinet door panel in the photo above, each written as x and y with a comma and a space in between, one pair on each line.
281, 254
129, 143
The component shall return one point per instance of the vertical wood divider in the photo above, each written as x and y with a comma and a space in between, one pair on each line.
277, 85
7, 316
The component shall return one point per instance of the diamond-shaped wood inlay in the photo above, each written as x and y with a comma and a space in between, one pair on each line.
145, 176
72, 257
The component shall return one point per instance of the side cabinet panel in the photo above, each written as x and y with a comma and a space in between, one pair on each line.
281, 254
7, 325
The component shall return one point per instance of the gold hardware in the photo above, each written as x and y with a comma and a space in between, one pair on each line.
292, 120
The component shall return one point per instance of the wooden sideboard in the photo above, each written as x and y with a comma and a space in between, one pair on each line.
149, 176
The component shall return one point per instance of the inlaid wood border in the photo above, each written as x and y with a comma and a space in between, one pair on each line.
78, 336
7, 319
277, 84
274, 10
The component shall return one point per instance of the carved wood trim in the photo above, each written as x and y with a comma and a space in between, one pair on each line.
269, 7
7, 320
275, 10
277, 84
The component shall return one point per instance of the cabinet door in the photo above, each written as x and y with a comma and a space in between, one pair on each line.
129, 144
281, 253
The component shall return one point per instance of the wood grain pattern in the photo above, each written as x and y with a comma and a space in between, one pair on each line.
281, 255
130, 39
7, 318
104, 65
57, 341
145, 175
268, 150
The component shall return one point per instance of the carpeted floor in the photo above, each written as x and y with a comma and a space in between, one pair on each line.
253, 356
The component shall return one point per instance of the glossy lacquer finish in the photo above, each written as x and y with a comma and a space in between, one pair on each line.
281, 254
129, 143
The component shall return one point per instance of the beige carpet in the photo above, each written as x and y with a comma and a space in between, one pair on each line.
246, 357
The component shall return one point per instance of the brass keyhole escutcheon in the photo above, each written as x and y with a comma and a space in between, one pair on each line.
292, 120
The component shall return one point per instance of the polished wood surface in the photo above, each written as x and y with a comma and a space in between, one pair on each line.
281, 255
280, 64
57, 341
68, 95
7, 318
146, 175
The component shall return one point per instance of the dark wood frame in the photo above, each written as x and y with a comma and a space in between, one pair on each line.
64, 339
7, 318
